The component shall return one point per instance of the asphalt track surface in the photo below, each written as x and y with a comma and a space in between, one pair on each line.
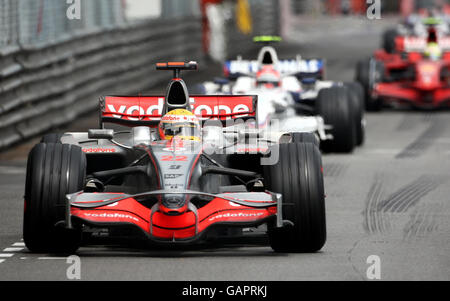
390, 198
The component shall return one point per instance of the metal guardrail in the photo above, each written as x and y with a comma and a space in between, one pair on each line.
53, 69
50, 86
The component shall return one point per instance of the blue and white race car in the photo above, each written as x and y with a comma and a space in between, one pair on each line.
295, 93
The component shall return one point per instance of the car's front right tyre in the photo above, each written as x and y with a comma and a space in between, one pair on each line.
337, 110
53, 170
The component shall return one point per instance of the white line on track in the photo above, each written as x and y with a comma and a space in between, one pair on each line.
6, 255
52, 258
12, 249
9, 252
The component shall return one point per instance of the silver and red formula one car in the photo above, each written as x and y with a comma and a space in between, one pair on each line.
174, 169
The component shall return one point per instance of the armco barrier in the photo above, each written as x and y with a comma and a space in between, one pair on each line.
41, 88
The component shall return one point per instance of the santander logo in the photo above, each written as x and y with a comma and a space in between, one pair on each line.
153, 111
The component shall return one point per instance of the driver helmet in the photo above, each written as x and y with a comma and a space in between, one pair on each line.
181, 124
269, 77
433, 51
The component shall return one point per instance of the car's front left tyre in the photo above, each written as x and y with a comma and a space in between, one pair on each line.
298, 177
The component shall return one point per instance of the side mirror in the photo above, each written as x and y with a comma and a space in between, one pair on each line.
100, 134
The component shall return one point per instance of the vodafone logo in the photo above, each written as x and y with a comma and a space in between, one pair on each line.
235, 215
121, 110
110, 215
221, 109
98, 150
136, 110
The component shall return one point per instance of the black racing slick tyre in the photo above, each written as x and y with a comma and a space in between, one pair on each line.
368, 73
356, 94
298, 177
306, 138
336, 108
53, 170
389, 37
52, 138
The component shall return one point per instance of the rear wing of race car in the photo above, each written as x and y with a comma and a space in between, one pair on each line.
147, 110
419, 44
301, 68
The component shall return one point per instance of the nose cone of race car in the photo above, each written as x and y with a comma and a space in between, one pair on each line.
428, 75
176, 164
174, 204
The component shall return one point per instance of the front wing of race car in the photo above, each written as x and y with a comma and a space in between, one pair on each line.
108, 210
397, 91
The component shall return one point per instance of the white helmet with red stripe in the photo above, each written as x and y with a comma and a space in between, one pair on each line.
268, 75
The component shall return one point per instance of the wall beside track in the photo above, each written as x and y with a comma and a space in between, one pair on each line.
53, 68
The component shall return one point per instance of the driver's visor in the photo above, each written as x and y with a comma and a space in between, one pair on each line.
187, 130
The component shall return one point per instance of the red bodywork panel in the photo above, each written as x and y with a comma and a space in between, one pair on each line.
138, 109
130, 211
400, 92
426, 89
390, 60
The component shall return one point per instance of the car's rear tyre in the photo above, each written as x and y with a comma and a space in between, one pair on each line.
52, 138
298, 177
356, 94
305, 138
336, 108
53, 170
368, 73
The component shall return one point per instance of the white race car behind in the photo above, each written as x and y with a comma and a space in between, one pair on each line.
294, 94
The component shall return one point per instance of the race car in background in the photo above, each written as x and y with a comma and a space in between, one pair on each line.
182, 170
416, 25
295, 93
417, 73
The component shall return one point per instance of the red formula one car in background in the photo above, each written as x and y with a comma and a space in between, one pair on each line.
416, 73
183, 170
